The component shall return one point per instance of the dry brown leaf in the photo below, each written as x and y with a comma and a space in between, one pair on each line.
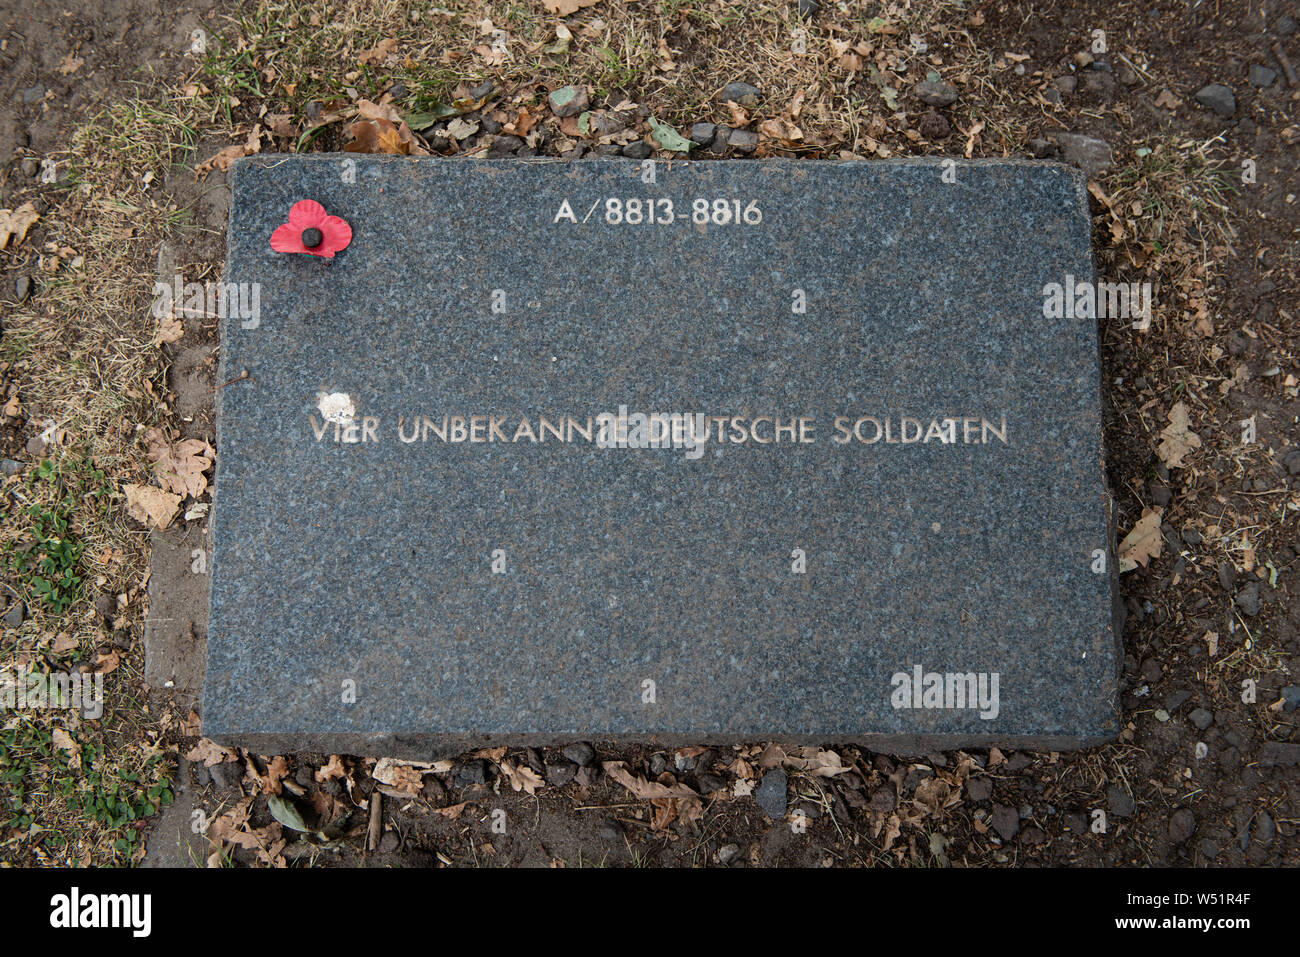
380, 135
16, 222
180, 465
169, 330
379, 53
641, 788
221, 162
452, 812
63, 741
70, 64
149, 505
562, 8
332, 769
1143, 542
210, 753
282, 125
404, 779
107, 664
1168, 101
522, 777
1179, 439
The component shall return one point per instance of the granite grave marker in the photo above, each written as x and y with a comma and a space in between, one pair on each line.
672, 451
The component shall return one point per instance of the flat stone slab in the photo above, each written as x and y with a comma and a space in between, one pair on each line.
880, 513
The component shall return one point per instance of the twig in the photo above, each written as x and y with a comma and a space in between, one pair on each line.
1282, 60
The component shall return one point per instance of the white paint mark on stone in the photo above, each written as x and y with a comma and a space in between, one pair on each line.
337, 407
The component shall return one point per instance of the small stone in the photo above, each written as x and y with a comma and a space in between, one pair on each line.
639, 150
1285, 26
720, 137
1261, 76
1040, 148
1290, 697
808, 7
30, 167
1248, 599
743, 141
482, 91
105, 605
1160, 494
1083, 59
434, 790
568, 101
703, 133
1201, 718
560, 773
489, 125
1218, 98
228, 775
33, 95
1126, 74
580, 753
1099, 83
1265, 829
934, 126
471, 773
710, 783
1006, 821
1182, 826
770, 794
388, 843
35, 446
1090, 154
727, 852
10, 466
1119, 801
15, 615
1278, 754
658, 764
611, 830
745, 94
1191, 536
1292, 462
398, 91
935, 92
980, 788
1208, 848
23, 287
1066, 84
505, 145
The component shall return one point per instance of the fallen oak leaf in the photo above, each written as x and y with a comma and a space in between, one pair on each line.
16, 222
1143, 543
563, 8
151, 506
1179, 439
179, 466
331, 769
222, 160
643, 789
210, 753
522, 777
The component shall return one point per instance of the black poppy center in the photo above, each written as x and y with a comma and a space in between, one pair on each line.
313, 237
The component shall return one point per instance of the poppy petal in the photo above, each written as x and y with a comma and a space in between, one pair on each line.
306, 214
337, 233
287, 238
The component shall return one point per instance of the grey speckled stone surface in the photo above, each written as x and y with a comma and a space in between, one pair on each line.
371, 562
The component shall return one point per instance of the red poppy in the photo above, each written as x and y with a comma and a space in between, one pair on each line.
311, 230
